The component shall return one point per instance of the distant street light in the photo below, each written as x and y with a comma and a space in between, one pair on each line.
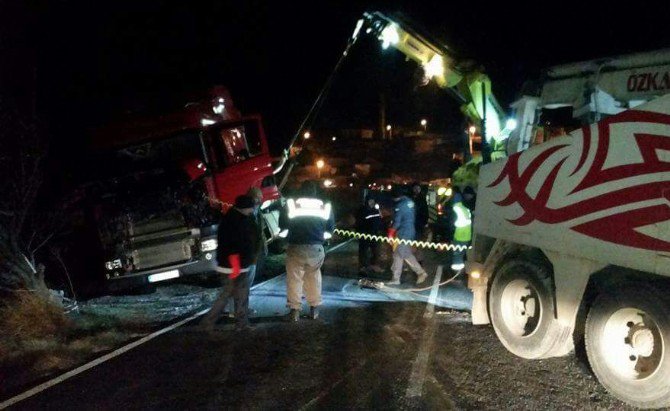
424, 124
472, 129
319, 165
334, 138
389, 128
307, 135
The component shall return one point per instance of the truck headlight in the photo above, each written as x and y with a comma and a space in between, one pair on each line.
113, 265
209, 245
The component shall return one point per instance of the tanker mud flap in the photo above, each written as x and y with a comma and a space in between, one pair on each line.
571, 276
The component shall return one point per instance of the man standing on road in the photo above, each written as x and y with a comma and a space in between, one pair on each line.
238, 248
403, 228
369, 222
306, 223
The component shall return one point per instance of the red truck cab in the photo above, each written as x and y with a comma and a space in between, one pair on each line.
158, 184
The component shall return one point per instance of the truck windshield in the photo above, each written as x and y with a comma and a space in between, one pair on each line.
233, 143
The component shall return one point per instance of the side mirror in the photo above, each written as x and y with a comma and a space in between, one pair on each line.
195, 168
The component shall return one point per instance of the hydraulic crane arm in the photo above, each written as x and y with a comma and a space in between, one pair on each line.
471, 87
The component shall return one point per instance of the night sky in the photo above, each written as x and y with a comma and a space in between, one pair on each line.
86, 62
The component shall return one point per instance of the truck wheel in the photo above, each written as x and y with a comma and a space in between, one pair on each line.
521, 306
628, 345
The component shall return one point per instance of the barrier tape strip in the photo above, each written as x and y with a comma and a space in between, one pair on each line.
389, 240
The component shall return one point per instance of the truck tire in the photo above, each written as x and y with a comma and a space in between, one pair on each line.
521, 307
627, 340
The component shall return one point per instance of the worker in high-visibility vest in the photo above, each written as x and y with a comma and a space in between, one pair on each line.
462, 231
306, 223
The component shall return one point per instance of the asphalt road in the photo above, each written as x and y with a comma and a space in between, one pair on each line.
370, 350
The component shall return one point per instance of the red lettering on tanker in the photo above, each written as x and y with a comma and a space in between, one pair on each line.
622, 206
654, 81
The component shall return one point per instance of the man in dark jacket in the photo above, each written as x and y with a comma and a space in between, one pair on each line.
238, 247
403, 228
369, 221
307, 222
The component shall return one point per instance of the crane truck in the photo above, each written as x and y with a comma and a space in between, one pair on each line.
155, 185
572, 232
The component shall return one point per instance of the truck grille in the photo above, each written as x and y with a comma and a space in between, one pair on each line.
162, 254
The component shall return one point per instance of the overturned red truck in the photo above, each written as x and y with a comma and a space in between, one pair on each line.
158, 185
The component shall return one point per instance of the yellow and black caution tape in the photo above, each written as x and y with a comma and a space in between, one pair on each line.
395, 241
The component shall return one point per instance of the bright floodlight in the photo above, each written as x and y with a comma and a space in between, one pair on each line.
307, 135
511, 124
389, 36
320, 163
435, 67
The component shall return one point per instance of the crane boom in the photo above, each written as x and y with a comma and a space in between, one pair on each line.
472, 87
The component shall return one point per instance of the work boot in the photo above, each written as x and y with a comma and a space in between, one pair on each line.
293, 316
421, 278
313, 313
394, 281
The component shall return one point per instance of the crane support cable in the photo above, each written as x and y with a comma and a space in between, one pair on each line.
316, 106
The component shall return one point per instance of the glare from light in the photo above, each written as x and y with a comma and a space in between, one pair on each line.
511, 124
441, 191
327, 183
472, 129
307, 135
388, 187
320, 163
207, 122
449, 192
221, 100
334, 138
435, 67
219, 108
388, 127
475, 275
389, 36
424, 122
163, 276
351, 184
266, 204
209, 245
359, 25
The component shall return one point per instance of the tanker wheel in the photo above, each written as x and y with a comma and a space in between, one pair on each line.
627, 342
521, 306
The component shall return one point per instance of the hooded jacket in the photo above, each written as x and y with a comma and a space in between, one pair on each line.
403, 219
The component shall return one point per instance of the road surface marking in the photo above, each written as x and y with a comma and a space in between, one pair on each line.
420, 366
63, 377
95, 362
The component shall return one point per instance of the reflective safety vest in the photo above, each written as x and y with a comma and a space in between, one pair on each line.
309, 220
463, 223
